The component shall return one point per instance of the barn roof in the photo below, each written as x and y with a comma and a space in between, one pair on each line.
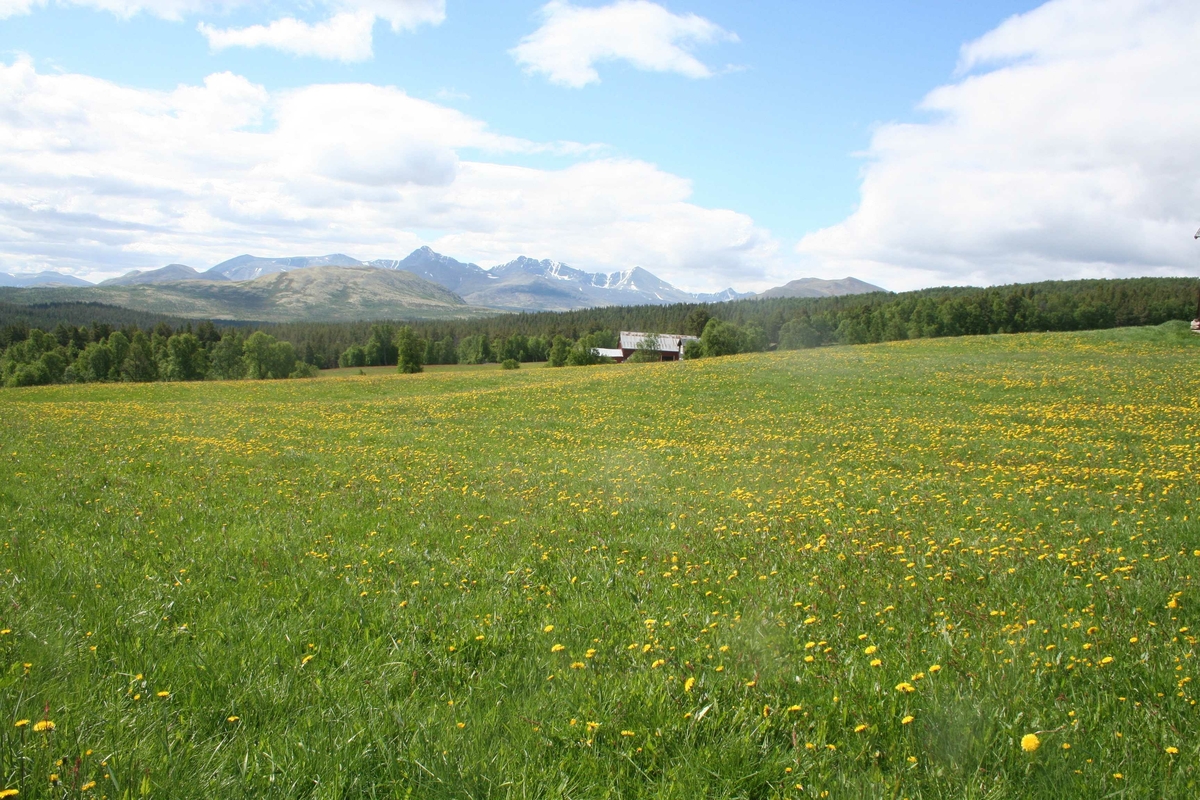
665, 342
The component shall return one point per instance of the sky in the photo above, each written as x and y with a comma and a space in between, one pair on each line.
716, 144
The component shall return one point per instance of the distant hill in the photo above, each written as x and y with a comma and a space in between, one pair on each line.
247, 267
526, 284
171, 273
44, 278
817, 287
330, 294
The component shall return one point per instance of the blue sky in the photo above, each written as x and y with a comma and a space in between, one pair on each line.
746, 162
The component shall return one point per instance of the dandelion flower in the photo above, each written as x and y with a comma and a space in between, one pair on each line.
577, 665
558, 648
1030, 742
43, 725
657, 663
1172, 750
21, 723
870, 649
548, 629
627, 733
688, 684
793, 708
164, 694
905, 687
233, 718
8, 793
936, 668
859, 728
875, 662
907, 719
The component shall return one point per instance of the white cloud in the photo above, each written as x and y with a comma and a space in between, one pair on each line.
1071, 152
572, 39
344, 37
101, 178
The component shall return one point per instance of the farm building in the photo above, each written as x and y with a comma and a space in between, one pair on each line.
668, 346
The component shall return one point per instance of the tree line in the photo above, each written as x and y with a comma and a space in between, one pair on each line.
100, 353
569, 338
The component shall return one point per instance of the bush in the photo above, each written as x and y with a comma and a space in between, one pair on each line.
721, 338
693, 349
510, 363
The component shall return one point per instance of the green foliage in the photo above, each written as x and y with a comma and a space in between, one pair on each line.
265, 357
797, 334
693, 349
354, 356
187, 360
410, 350
559, 350
721, 338
475, 350
695, 321
510, 363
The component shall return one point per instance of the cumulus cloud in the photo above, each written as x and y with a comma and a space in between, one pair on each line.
1066, 148
572, 39
345, 36
101, 178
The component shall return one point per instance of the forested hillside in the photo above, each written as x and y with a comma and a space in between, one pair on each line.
750, 324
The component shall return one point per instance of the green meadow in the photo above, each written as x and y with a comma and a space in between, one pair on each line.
944, 568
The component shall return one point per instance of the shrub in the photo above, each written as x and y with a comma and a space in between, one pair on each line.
510, 363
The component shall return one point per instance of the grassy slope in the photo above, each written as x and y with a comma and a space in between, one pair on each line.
363, 572
331, 294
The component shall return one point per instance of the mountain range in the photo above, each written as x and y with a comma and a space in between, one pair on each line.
436, 283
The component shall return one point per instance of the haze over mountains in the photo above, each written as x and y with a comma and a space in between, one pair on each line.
238, 288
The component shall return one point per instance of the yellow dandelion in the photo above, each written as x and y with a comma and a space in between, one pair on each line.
43, 725
592, 727
461, 725
793, 708
907, 719
1171, 750
627, 733
936, 668
657, 663
164, 694
8, 793
1030, 742
688, 684
906, 687
558, 648
548, 629
859, 728
875, 662
591, 653
870, 649
232, 718
21, 723
577, 665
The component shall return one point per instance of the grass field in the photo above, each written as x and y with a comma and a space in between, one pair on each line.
847, 572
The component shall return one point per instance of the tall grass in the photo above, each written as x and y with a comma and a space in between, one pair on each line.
848, 572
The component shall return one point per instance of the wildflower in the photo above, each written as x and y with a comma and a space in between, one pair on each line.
461, 725
1171, 750
8, 793
591, 653
907, 719
21, 723
1066, 746
1030, 742
936, 668
870, 649
657, 663
859, 728
1118, 775
548, 629
793, 708
905, 687
54, 778
164, 694
592, 727
688, 684
627, 733
306, 659
577, 665
43, 725
233, 718
875, 662
558, 648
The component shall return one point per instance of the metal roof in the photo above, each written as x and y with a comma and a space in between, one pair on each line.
664, 342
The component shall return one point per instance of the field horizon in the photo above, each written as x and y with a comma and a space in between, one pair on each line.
850, 571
